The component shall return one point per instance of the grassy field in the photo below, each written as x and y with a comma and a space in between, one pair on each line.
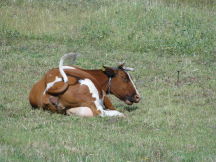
175, 120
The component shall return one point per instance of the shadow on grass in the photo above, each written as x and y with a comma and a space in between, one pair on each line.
130, 108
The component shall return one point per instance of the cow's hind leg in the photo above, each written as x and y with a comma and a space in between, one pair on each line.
80, 111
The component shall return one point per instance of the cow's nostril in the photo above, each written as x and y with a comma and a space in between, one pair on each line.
137, 98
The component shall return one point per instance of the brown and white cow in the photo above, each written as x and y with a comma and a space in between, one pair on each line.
72, 90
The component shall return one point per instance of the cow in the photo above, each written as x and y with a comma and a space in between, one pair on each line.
75, 91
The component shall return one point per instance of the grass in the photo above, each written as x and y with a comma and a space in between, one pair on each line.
175, 121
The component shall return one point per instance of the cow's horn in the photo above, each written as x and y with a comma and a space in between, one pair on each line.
128, 69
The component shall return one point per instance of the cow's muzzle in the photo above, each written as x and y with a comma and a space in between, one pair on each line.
134, 99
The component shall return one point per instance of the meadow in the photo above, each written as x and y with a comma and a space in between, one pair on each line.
171, 45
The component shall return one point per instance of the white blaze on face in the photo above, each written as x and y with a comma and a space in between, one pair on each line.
133, 83
50, 84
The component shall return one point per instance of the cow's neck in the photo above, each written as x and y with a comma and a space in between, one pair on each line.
101, 78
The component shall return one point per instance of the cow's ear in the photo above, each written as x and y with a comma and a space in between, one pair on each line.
121, 66
110, 72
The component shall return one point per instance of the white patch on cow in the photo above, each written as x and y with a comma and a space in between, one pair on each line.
99, 102
68, 67
133, 84
49, 85
61, 67
93, 90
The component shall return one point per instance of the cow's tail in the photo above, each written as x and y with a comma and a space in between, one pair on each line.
72, 56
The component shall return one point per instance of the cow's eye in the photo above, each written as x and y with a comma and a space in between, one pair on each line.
125, 79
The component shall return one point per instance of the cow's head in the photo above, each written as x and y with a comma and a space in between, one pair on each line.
121, 85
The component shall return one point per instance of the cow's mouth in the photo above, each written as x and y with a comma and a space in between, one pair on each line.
128, 102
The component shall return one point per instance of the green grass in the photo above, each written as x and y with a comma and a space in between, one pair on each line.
173, 122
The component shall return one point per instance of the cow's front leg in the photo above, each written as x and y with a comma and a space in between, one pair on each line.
108, 104
111, 109
112, 113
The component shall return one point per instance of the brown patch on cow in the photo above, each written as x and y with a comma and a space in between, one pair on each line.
62, 96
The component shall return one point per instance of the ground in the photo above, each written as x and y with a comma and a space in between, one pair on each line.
171, 45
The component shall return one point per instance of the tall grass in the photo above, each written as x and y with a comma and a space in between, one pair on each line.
138, 26
193, 3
